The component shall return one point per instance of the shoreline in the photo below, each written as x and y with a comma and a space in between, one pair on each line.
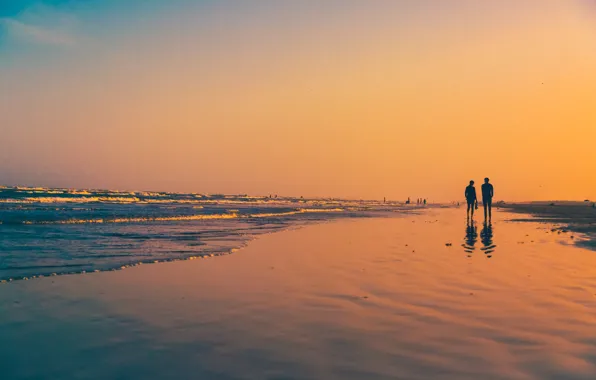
296, 225
76, 236
578, 217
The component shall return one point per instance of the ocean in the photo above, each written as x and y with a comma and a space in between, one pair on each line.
45, 231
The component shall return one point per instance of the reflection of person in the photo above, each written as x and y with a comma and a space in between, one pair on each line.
471, 235
470, 194
487, 198
486, 237
486, 234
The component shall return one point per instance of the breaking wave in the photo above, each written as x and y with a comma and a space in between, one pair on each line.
46, 231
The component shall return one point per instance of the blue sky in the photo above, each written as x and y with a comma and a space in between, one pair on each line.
10, 8
36, 26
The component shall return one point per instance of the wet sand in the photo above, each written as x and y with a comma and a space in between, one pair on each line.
417, 297
570, 216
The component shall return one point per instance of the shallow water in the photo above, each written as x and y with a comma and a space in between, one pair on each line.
417, 297
57, 231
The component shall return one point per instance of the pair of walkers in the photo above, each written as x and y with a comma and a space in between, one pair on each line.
487, 198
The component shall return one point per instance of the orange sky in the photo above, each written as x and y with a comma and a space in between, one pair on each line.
348, 99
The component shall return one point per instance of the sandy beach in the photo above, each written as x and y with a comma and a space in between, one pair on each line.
568, 217
412, 297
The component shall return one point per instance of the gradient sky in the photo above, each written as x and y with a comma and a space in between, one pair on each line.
346, 98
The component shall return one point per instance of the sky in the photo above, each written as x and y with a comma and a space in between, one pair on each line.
336, 98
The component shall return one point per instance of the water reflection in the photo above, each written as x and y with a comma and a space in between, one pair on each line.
471, 237
486, 236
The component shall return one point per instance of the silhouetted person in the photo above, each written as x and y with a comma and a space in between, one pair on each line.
425, 201
487, 198
471, 198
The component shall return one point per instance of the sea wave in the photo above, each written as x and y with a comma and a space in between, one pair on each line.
179, 218
47, 230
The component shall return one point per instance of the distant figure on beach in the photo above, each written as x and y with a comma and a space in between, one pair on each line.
408, 201
471, 198
487, 198
425, 201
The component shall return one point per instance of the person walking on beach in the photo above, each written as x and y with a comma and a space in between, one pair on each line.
471, 198
487, 198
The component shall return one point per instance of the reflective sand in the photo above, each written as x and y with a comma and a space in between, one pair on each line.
418, 297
